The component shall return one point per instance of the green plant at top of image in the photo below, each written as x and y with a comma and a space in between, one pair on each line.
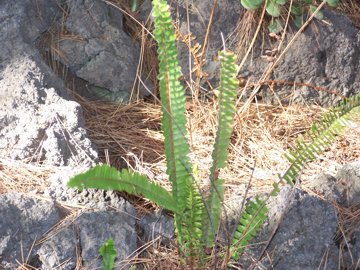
197, 213
298, 8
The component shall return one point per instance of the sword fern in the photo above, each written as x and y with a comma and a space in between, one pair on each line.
197, 215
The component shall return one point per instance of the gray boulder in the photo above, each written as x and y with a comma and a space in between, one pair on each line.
302, 237
23, 222
27, 226
102, 53
343, 188
38, 121
59, 250
227, 13
325, 55
157, 225
97, 227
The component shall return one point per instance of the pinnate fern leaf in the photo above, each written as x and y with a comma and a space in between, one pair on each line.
227, 99
173, 104
193, 224
251, 221
109, 178
322, 135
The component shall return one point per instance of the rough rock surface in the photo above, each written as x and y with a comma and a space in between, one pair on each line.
97, 227
59, 249
100, 52
28, 225
38, 122
157, 225
344, 187
325, 54
91, 198
23, 222
302, 237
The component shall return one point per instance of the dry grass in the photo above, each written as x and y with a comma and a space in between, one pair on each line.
352, 9
131, 134
20, 176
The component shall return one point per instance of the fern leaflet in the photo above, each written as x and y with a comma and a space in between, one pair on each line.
109, 178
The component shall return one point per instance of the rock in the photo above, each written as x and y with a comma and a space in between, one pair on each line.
97, 227
351, 251
102, 53
59, 251
325, 184
348, 183
24, 221
325, 54
302, 237
199, 16
344, 187
157, 225
38, 122
91, 198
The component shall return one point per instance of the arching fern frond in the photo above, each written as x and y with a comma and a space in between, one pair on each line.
322, 135
227, 99
109, 178
251, 222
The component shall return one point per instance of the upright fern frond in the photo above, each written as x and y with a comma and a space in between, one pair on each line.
109, 178
109, 253
173, 104
322, 135
192, 225
227, 99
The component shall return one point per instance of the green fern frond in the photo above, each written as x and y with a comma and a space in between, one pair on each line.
322, 135
251, 222
109, 178
213, 214
192, 235
227, 99
173, 104
108, 253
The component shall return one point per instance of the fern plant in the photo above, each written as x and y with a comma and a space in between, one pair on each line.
196, 213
